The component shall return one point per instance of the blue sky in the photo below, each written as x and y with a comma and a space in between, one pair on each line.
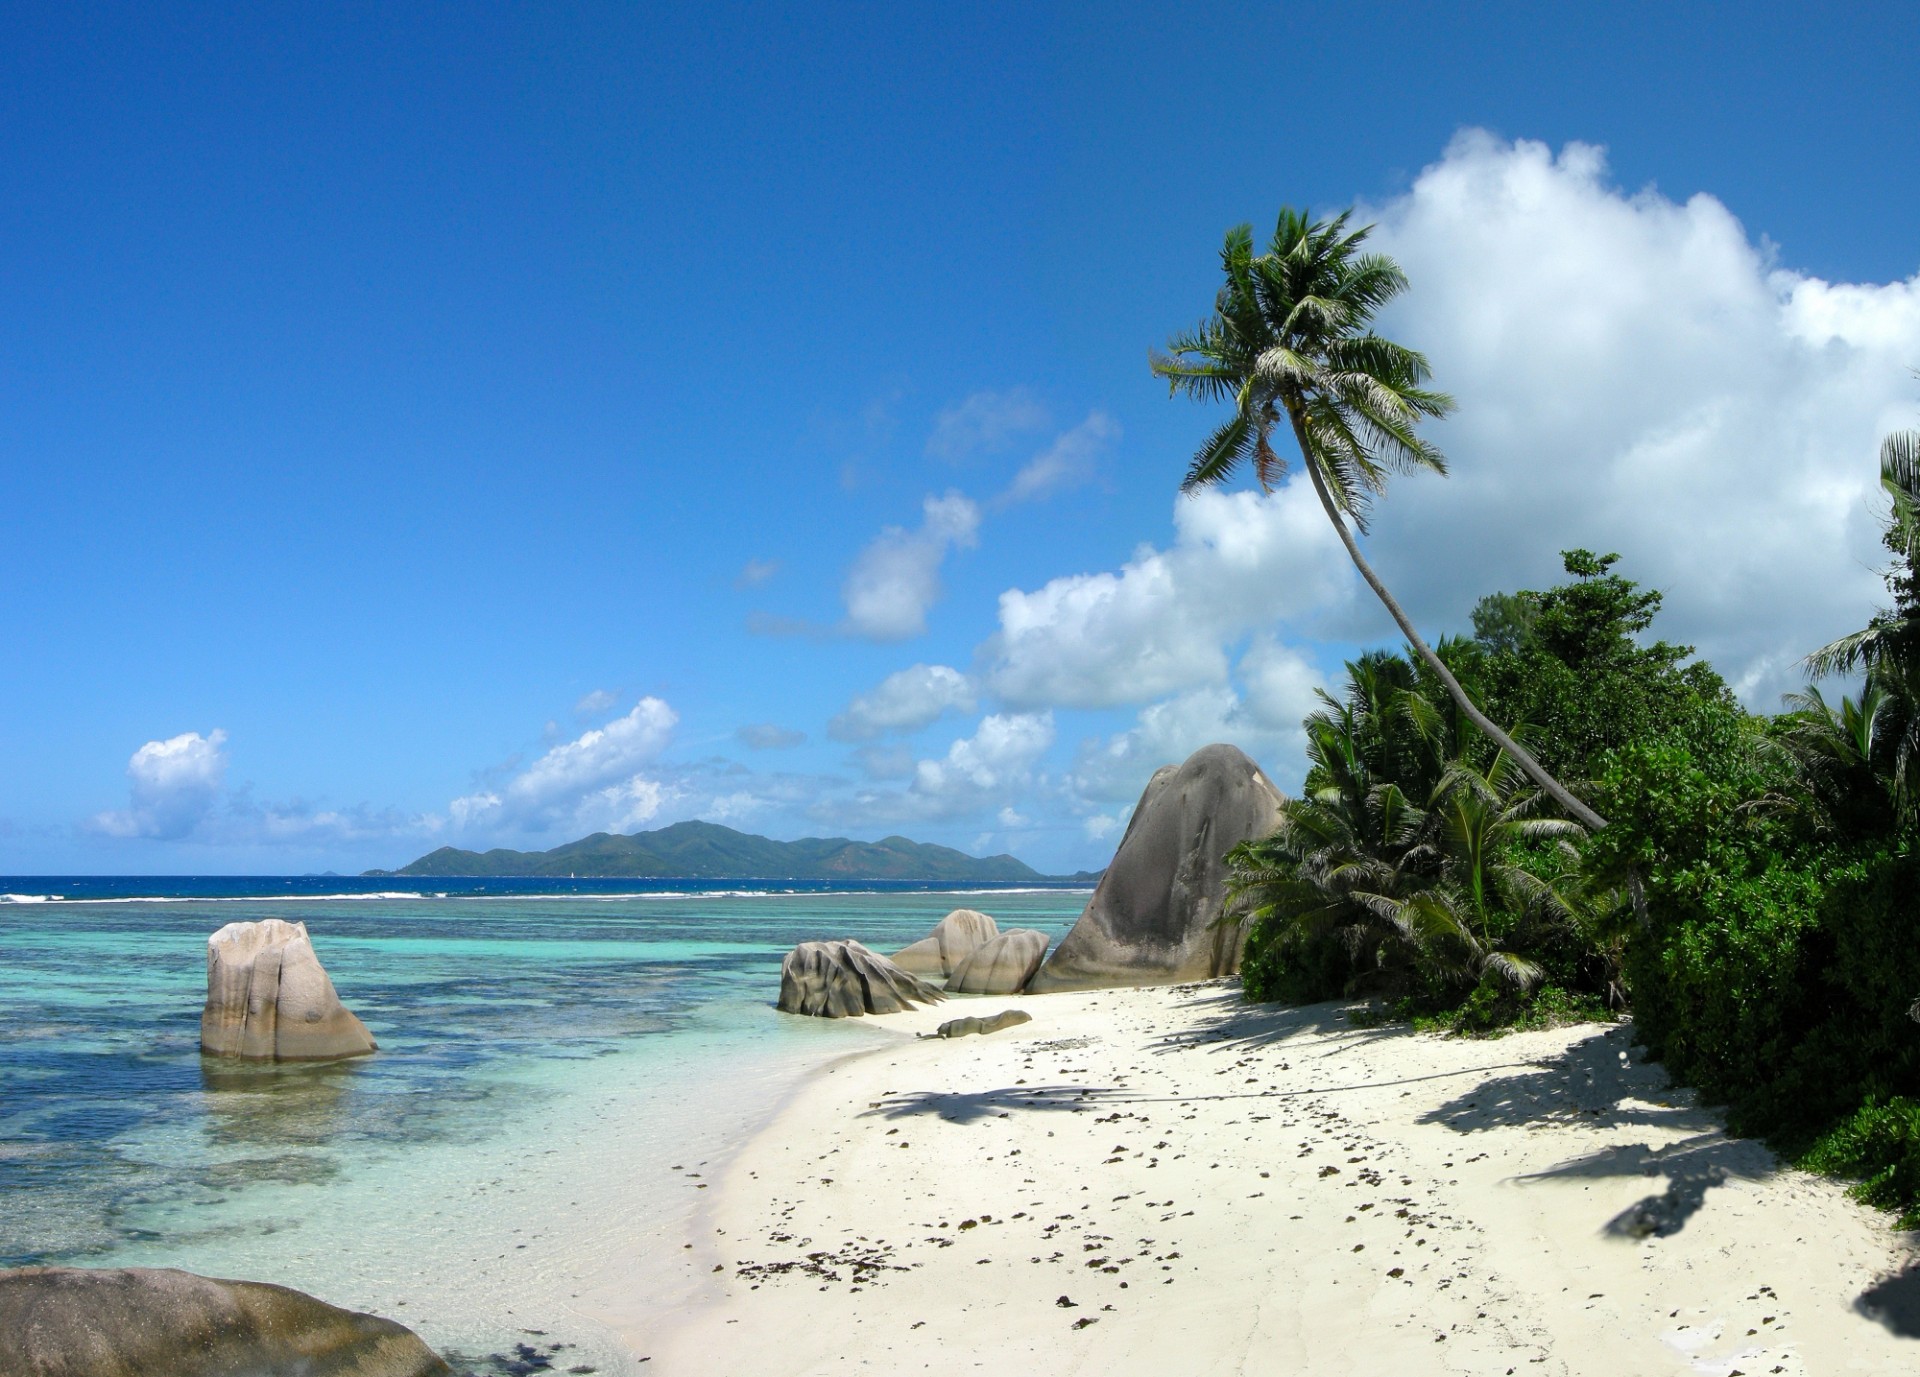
488, 424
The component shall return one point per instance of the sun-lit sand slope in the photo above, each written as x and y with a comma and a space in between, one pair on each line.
1169, 1182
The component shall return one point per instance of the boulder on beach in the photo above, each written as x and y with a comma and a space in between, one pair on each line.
937, 954
157, 1322
967, 1027
269, 999
1151, 919
845, 980
1002, 966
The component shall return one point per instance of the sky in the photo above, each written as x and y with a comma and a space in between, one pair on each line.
484, 425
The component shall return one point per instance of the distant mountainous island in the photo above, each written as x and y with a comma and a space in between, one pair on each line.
708, 851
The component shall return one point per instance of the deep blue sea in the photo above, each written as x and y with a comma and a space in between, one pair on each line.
549, 1051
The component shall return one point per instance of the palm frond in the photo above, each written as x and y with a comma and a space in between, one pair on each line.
1514, 969
1221, 454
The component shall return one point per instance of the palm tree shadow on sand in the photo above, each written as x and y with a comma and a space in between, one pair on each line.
1894, 1302
1596, 1084
1592, 1083
967, 1107
1226, 1021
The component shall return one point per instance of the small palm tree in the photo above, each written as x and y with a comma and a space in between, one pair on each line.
1484, 897
1350, 849
1435, 890
1290, 344
1881, 731
1893, 634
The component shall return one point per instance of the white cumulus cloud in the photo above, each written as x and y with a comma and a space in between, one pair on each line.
173, 785
1165, 621
896, 579
597, 780
1637, 374
985, 773
1261, 714
999, 755
904, 701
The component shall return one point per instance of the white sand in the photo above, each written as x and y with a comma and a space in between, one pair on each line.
1220, 1188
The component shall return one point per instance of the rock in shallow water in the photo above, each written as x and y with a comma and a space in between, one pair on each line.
1002, 966
157, 1322
1151, 919
936, 955
845, 980
269, 999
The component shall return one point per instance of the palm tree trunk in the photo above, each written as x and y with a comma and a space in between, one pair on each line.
1559, 792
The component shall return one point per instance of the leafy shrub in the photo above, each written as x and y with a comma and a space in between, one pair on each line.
1294, 968
1880, 1145
1493, 1010
1777, 960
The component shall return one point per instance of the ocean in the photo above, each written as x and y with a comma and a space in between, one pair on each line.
562, 1065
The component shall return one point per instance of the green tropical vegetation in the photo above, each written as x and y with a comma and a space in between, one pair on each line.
1630, 839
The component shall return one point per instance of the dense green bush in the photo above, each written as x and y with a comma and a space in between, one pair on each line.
1880, 1145
1569, 663
1700, 824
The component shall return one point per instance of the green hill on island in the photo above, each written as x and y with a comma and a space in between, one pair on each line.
708, 851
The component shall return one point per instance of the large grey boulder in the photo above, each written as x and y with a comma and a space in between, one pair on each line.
269, 999
152, 1322
937, 954
845, 980
1002, 966
1151, 919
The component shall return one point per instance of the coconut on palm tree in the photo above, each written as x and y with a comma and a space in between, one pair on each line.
1290, 344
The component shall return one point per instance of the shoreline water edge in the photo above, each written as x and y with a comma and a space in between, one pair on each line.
478, 1178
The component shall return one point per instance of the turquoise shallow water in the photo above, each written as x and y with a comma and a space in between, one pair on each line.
545, 1062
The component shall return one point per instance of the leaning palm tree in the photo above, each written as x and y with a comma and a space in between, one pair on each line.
1289, 343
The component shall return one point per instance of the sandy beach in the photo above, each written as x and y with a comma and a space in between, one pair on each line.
1171, 1181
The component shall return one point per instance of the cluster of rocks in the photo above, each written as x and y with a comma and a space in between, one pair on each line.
966, 951
1157, 917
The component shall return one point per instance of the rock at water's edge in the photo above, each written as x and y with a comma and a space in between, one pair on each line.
269, 999
1002, 966
967, 1027
1150, 921
157, 1322
936, 955
845, 980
